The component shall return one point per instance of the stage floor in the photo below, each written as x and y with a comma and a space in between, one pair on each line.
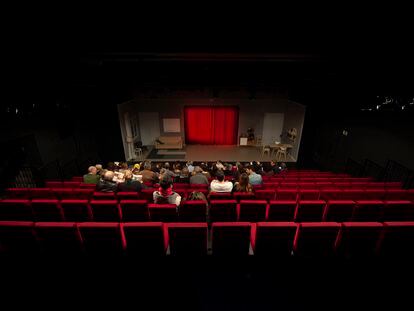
213, 153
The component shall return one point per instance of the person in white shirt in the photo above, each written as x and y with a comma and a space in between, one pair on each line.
219, 184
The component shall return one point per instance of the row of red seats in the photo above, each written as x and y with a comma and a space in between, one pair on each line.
261, 194
196, 211
282, 239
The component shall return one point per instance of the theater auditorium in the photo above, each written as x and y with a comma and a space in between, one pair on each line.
215, 179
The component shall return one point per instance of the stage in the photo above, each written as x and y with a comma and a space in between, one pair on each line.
212, 153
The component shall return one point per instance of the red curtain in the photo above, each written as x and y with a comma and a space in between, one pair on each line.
211, 125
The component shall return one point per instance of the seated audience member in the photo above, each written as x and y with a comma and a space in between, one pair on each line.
197, 196
168, 171
111, 166
177, 168
190, 166
129, 184
184, 176
198, 177
275, 167
91, 177
254, 178
283, 167
148, 175
135, 169
98, 169
243, 184
165, 194
205, 169
123, 167
219, 184
107, 184
219, 165
267, 169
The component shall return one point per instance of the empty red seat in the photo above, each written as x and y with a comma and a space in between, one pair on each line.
47, 210
342, 185
15, 209
374, 194
79, 179
310, 211
63, 193
393, 185
375, 185
104, 196
193, 211
352, 194
58, 238
367, 210
103, 238
223, 210
252, 210
147, 194
127, 196
306, 185
359, 239
358, 185
198, 187
281, 210
76, 210
83, 194
398, 240
220, 196
398, 211
323, 184
265, 194
273, 238
53, 184
308, 194
103, 210
181, 186
18, 193
71, 184
243, 196
145, 239
189, 239
17, 237
316, 239
286, 194
231, 239
87, 186
270, 185
339, 210
330, 194
396, 194
163, 212
134, 210
288, 185
41, 193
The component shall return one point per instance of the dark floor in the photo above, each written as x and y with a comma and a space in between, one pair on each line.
208, 284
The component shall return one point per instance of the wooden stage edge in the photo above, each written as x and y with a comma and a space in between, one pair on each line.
214, 153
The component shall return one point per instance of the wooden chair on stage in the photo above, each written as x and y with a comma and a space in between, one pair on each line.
281, 152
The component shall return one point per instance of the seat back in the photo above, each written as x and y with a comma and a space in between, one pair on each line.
398, 240
220, 196
58, 238
316, 239
374, 194
286, 194
134, 210
53, 184
105, 210
103, 238
145, 239
189, 239
398, 211
367, 210
223, 210
103, 196
265, 194
127, 196
76, 210
47, 210
193, 211
273, 239
163, 212
16, 209
63, 193
310, 211
231, 239
281, 210
71, 184
396, 194
243, 196
252, 210
330, 194
308, 194
17, 237
41, 193
83, 194
359, 239
18, 193
339, 210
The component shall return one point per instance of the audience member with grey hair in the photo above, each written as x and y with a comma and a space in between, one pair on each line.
147, 174
91, 177
107, 184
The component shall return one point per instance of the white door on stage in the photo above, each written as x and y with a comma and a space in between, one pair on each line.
272, 127
149, 126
